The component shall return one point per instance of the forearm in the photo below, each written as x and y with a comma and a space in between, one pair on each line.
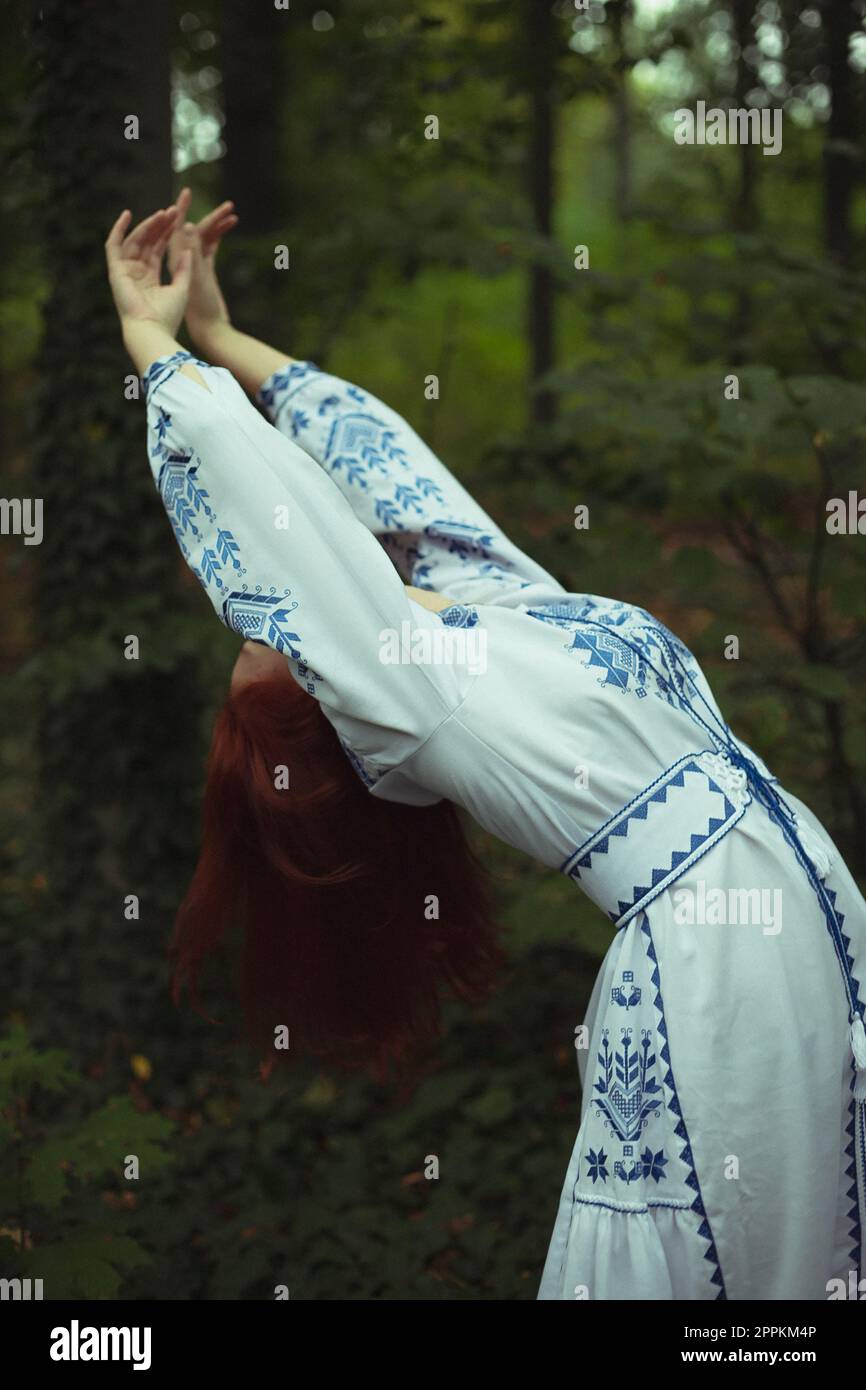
250, 361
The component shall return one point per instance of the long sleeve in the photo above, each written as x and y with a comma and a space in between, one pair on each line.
285, 562
436, 534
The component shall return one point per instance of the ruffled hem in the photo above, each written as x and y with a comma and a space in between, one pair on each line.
626, 1250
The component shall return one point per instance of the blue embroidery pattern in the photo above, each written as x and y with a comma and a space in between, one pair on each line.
252, 614
459, 615
855, 1233
624, 643
287, 381
634, 1136
368, 775
627, 1089
254, 617
359, 444
596, 1163
625, 1000
163, 368
186, 500
603, 878
711, 1254
361, 451
611, 654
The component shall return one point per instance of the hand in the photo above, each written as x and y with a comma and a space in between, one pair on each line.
206, 309
134, 266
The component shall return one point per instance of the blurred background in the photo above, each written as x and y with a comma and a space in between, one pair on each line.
558, 386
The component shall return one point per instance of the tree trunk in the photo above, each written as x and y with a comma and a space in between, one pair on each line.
839, 166
621, 151
118, 740
254, 76
540, 59
744, 217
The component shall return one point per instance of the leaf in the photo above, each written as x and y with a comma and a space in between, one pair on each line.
826, 403
89, 1264
97, 1148
22, 1067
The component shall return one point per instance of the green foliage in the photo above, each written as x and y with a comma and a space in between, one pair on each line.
409, 257
708, 486
57, 1220
318, 1182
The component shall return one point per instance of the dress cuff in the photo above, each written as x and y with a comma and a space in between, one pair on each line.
276, 389
162, 368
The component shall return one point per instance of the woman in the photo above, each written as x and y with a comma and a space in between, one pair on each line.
722, 1144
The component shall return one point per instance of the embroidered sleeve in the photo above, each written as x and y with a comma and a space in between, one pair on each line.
436, 534
285, 562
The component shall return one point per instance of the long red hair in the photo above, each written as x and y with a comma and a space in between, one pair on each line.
354, 911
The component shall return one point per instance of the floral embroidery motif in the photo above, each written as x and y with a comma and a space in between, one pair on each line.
628, 1093
619, 996
596, 1163
634, 1134
627, 1096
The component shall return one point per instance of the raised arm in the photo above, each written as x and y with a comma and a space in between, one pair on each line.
249, 360
436, 534
272, 541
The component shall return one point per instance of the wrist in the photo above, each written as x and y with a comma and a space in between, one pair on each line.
209, 334
136, 323
146, 340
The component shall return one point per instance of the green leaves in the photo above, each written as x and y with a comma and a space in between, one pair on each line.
23, 1068
829, 405
90, 1263
53, 1170
97, 1149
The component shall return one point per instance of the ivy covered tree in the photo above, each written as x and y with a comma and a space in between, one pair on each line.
118, 739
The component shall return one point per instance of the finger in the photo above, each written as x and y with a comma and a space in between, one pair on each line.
193, 242
208, 225
141, 237
163, 233
183, 240
215, 213
114, 240
183, 271
152, 249
212, 241
177, 239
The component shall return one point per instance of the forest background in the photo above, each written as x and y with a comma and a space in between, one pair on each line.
565, 379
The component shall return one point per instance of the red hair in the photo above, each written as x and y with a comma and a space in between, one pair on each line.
329, 886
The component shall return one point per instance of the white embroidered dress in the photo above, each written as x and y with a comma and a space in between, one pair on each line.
721, 1147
